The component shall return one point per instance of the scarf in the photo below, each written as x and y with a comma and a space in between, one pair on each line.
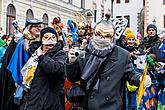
152, 40
102, 43
96, 58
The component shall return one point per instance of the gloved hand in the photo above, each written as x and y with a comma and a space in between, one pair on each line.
147, 82
72, 55
66, 49
84, 43
39, 52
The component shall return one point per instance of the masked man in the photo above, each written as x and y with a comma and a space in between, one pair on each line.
104, 70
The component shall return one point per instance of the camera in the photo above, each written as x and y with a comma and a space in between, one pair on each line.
80, 53
135, 48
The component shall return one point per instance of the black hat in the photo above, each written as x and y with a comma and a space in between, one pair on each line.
48, 30
152, 26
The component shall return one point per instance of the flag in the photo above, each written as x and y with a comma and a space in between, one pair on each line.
142, 87
73, 28
18, 59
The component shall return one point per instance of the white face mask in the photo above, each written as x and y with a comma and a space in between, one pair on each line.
131, 42
49, 42
104, 36
49, 38
102, 43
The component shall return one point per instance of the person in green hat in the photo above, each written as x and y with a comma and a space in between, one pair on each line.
3, 47
2, 42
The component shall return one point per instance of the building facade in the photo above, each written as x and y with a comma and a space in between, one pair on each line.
99, 8
46, 10
129, 9
140, 13
155, 13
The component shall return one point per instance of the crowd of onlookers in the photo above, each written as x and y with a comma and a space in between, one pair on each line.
36, 63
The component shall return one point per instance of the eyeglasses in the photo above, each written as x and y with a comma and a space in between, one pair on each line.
103, 35
36, 26
151, 30
131, 39
47, 37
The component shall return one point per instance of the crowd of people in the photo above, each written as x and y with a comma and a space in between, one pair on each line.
85, 68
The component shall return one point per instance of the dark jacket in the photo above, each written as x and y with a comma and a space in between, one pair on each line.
116, 71
160, 77
7, 84
156, 50
47, 88
150, 41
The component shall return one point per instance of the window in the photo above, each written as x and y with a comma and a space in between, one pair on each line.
163, 2
29, 13
102, 11
83, 4
118, 1
94, 6
164, 20
45, 20
103, 1
128, 18
126, 1
11, 15
70, 1
95, 15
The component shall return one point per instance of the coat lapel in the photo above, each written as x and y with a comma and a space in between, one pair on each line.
111, 60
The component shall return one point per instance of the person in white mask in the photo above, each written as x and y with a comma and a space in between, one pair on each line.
103, 71
46, 90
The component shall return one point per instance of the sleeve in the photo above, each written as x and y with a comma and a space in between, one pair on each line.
130, 74
73, 72
153, 50
53, 67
